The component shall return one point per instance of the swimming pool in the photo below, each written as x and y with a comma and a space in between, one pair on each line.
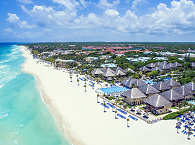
191, 102
113, 89
149, 82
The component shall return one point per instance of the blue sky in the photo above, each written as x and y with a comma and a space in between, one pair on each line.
97, 20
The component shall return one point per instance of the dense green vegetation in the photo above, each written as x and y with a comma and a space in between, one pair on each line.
178, 113
183, 75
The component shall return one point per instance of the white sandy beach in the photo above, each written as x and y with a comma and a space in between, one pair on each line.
84, 121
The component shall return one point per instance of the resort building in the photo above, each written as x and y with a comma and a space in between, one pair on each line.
109, 65
151, 65
105, 56
193, 64
134, 96
166, 85
172, 96
91, 59
97, 71
172, 83
129, 70
191, 86
108, 74
142, 59
131, 82
144, 69
163, 65
157, 104
157, 69
174, 65
185, 92
120, 72
161, 58
63, 63
148, 90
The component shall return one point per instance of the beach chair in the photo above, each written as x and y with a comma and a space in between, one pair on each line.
111, 105
121, 116
132, 117
122, 111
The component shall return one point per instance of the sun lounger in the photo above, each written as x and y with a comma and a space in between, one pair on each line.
110, 105
133, 118
184, 132
105, 106
91, 82
91, 85
121, 116
122, 111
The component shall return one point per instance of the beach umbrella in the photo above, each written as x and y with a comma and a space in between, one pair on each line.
178, 127
189, 132
185, 126
97, 98
115, 114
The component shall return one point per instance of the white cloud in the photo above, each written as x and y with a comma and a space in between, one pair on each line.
49, 17
25, 1
69, 4
178, 18
106, 4
14, 19
111, 12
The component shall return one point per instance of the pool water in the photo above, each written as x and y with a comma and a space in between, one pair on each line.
113, 89
191, 102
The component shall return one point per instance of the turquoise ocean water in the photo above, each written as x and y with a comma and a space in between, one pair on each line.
24, 119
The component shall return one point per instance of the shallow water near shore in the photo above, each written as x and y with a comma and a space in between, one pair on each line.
24, 118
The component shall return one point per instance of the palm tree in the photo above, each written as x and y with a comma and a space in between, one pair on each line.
85, 86
113, 107
127, 122
115, 114
70, 78
97, 98
104, 107
178, 126
78, 81
77, 76
104, 96
189, 133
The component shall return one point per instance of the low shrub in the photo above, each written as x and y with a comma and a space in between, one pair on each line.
178, 113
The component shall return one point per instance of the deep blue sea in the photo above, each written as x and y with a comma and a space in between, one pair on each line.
24, 118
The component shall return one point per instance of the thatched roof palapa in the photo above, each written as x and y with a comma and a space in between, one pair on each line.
144, 69
161, 86
157, 100
151, 65
134, 93
131, 81
166, 85
172, 95
108, 72
97, 71
190, 86
172, 83
148, 89
184, 91
120, 72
